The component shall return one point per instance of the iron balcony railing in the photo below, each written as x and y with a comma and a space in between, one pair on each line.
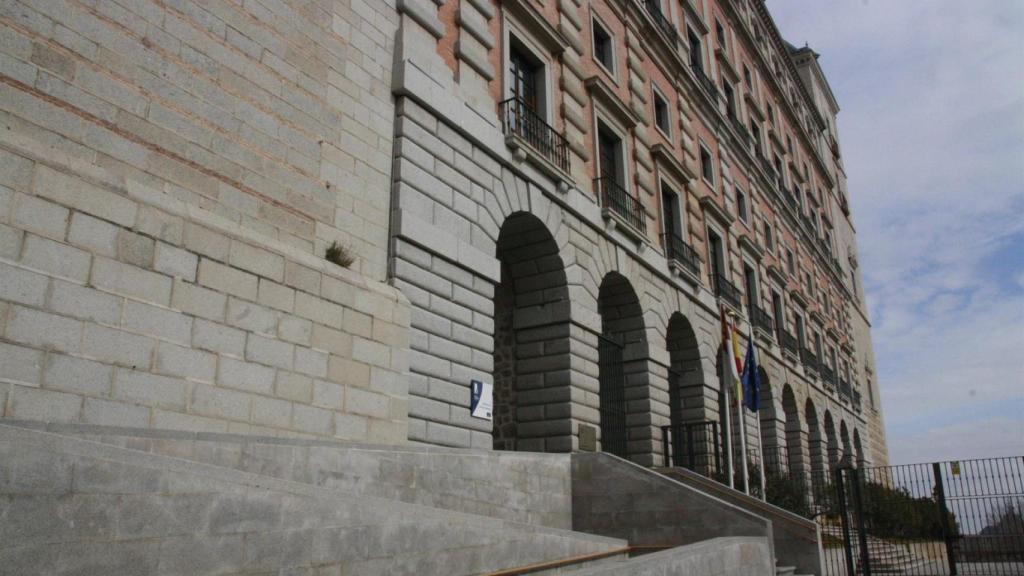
856, 400
828, 375
654, 9
788, 341
521, 120
809, 359
704, 81
740, 129
768, 167
762, 319
677, 250
615, 198
845, 392
727, 291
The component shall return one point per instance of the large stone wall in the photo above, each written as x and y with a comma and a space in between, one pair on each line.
170, 175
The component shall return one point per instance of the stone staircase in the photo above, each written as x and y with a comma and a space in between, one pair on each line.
886, 557
96, 500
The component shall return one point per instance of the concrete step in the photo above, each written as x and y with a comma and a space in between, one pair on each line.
68, 504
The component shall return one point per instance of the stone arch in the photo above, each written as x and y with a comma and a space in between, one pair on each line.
816, 445
689, 399
773, 427
858, 449
795, 456
623, 372
532, 399
831, 442
846, 456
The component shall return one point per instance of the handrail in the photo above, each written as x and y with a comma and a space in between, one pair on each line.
762, 319
520, 119
654, 9
676, 249
615, 198
726, 290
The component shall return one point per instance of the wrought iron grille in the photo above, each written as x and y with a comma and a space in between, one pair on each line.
727, 291
809, 359
612, 382
693, 445
789, 341
762, 319
521, 120
615, 198
663, 23
705, 81
677, 250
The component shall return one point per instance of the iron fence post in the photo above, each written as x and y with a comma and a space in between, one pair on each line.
947, 535
845, 516
858, 510
665, 430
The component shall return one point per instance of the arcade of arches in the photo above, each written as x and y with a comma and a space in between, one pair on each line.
546, 393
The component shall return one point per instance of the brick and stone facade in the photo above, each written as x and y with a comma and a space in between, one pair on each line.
518, 262
170, 176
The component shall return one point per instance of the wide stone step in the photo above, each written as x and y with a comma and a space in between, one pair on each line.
70, 504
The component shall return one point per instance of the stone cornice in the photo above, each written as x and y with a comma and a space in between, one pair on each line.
604, 94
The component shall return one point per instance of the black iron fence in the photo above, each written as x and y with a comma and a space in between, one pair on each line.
615, 198
521, 120
693, 445
957, 518
677, 250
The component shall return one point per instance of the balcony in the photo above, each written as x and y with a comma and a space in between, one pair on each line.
621, 204
705, 82
678, 251
740, 129
663, 23
727, 291
761, 320
768, 168
828, 375
845, 392
809, 359
521, 122
856, 400
789, 342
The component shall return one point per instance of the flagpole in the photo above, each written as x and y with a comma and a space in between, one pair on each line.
742, 423
726, 344
764, 463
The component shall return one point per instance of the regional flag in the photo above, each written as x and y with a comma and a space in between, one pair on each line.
751, 379
731, 358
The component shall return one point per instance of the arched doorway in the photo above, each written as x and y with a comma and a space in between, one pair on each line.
794, 434
858, 449
773, 429
844, 438
531, 333
693, 438
820, 478
622, 365
831, 442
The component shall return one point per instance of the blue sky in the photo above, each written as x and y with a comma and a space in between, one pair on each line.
932, 131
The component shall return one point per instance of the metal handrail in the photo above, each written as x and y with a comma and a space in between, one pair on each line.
654, 9
677, 250
809, 359
520, 119
789, 341
726, 290
705, 81
762, 319
615, 198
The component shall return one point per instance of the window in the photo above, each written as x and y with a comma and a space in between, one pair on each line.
769, 242
741, 205
707, 170
801, 334
604, 51
789, 144
717, 256
789, 261
610, 155
780, 316
771, 114
662, 117
524, 73
730, 100
755, 133
746, 78
696, 54
720, 34
750, 284
671, 220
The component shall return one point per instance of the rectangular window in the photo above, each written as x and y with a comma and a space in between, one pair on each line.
780, 317
717, 256
790, 265
755, 133
750, 284
801, 334
746, 78
730, 99
671, 219
789, 144
609, 155
720, 33
696, 54
771, 114
662, 117
741, 205
769, 242
526, 72
707, 170
604, 51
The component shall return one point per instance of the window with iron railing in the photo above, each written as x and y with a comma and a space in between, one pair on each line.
677, 250
523, 122
620, 202
727, 291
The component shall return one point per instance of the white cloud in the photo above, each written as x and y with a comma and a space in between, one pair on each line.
932, 130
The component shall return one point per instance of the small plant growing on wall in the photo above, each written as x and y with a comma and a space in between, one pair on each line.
339, 255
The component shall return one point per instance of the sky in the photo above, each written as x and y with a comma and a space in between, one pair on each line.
932, 134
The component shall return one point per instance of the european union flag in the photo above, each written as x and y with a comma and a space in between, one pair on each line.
751, 379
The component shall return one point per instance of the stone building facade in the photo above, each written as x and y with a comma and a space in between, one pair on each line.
170, 176
579, 187
556, 197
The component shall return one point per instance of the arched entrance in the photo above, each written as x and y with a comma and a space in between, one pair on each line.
693, 437
831, 442
531, 334
858, 449
820, 478
622, 366
844, 438
773, 438
797, 467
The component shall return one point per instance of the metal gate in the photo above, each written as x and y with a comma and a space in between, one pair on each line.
946, 518
693, 445
613, 396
